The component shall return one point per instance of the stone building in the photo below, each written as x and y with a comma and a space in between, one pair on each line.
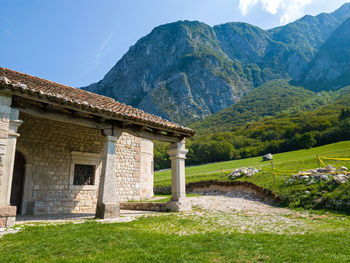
65, 150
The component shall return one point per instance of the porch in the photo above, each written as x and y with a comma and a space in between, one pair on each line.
59, 158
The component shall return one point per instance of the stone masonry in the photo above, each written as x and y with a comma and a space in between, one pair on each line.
128, 167
48, 146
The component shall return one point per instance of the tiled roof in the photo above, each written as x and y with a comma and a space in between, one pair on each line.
19, 83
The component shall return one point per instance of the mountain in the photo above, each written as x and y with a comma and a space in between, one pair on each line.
178, 71
186, 71
331, 67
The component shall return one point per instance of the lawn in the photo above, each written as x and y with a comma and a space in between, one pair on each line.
181, 238
295, 160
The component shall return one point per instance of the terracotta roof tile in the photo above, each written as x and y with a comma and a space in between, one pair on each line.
100, 105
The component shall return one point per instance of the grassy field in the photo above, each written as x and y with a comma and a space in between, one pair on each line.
179, 238
293, 195
295, 160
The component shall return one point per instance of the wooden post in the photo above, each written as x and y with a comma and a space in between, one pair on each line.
273, 172
318, 161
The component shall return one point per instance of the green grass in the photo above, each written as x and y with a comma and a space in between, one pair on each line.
292, 195
296, 160
159, 239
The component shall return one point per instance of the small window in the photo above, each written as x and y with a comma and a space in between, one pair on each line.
84, 174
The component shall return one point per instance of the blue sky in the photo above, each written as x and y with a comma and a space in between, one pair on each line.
76, 42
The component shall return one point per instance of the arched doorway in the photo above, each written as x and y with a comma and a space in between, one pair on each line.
18, 181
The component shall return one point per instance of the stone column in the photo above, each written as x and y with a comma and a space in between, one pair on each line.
11, 149
108, 204
147, 170
177, 154
9, 124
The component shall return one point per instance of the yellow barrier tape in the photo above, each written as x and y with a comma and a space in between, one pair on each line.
339, 159
315, 173
287, 171
322, 162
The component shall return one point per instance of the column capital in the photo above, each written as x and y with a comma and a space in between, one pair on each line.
13, 127
110, 138
177, 150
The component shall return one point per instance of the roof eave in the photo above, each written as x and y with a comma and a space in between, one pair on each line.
22, 91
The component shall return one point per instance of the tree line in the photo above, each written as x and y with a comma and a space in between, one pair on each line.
282, 133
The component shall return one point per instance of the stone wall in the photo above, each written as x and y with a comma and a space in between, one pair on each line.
128, 166
160, 207
48, 146
134, 167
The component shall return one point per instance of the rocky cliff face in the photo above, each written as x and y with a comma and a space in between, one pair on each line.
331, 66
186, 71
178, 72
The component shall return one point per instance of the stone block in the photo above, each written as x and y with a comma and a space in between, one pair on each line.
6, 211
179, 206
105, 211
10, 221
3, 222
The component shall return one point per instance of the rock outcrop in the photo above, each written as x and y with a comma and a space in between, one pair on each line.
239, 172
339, 176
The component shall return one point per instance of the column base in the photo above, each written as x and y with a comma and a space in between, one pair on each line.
107, 211
7, 216
179, 205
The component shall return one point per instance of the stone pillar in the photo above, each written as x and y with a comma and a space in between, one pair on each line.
108, 204
11, 149
9, 124
147, 169
177, 154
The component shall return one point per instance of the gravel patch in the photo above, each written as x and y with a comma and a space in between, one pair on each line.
243, 213
234, 202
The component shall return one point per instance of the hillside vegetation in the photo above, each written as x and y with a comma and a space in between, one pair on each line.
297, 127
269, 99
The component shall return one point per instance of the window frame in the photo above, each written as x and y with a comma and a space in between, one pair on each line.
84, 158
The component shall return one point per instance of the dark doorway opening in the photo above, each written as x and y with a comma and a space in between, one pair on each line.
18, 182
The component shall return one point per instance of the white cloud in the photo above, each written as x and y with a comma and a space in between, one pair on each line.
102, 48
288, 10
